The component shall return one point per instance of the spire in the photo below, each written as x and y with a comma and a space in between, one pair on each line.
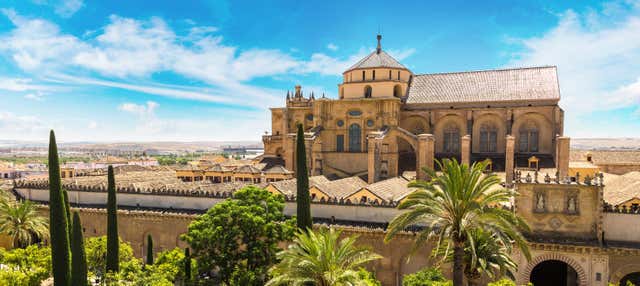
379, 48
288, 96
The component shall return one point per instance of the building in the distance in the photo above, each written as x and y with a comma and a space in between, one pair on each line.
388, 120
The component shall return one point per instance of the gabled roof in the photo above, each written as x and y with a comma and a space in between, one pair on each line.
377, 60
341, 188
391, 190
247, 169
518, 84
218, 168
288, 187
278, 169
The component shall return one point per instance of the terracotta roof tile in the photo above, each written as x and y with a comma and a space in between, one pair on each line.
288, 187
341, 188
394, 189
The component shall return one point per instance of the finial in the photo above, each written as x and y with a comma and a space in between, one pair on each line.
323, 95
312, 96
379, 48
288, 96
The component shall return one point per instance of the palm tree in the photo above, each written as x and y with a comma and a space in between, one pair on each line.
22, 222
489, 257
453, 204
320, 258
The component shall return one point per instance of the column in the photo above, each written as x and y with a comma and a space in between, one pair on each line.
509, 159
372, 158
289, 151
425, 155
562, 155
465, 148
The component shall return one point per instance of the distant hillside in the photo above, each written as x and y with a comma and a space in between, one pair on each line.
605, 143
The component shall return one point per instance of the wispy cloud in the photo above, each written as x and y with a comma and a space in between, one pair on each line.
66, 8
332, 46
37, 96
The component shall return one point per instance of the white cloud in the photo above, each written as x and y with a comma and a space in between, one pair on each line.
21, 84
13, 124
401, 54
37, 96
332, 46
143, 111
92, 125
598, 56
66, 8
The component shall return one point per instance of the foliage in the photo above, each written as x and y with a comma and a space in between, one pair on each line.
78, 256
22, 222
67, 211
112, 223
96, 252
58, 230
242, 232
502, 282
321, 258
149, 250
426, 277
172, 264
303, 200
368, 278
452, 205
28, 266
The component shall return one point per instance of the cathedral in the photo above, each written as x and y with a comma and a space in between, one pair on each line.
390, 122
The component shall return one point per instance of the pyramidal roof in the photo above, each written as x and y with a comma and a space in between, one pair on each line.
377, 59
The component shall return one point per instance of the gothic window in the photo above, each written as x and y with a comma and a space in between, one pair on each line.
397, 91
367, 91
339, 143
488, 139
355, 135
451, 140
528, 138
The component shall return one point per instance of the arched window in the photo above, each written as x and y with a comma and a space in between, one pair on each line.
363, 76
374, 75
355, 135
397, 91
367, 91
451, 139
488, 139
398, 75
389, 74
528, 137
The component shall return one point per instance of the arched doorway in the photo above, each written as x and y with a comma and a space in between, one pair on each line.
554, 273
631, 277
406, 156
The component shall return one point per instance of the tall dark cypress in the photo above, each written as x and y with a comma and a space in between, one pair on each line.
149, 250
302, 184
113, 242
78, 256
58, 228
65, 198
187, 267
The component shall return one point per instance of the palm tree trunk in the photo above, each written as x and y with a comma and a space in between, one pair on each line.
458, 270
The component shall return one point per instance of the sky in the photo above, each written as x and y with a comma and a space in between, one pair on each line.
124, 70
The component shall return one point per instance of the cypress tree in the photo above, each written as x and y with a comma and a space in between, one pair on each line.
65, 197
113, 242
78, 256
149, 250
187, 267
304, 221
58, 228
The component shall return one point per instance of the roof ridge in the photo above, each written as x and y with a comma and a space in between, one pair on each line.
490, 70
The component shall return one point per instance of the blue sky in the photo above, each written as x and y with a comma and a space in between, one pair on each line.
209, 70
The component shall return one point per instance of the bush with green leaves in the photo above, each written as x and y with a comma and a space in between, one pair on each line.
96, 252
368, 278
430, 276
25, 266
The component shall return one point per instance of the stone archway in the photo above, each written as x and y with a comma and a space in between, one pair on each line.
525, 275
623, 272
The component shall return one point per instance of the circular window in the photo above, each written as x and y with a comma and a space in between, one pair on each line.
310, 117
340, 123
370, 123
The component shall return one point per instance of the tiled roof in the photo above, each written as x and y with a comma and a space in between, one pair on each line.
377, 60
288, 187
218, 168
278, 169
520, 84
247, 169
393, 189
341, 188
619, 189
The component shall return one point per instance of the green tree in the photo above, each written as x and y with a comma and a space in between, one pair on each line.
25, 266
67, 211
321, 258
96, 253
149, 250
430, 276
454, 203
78, 256
22, 222
59, 230
368, 278
303, 200
240, 233
112, 223
488, 257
